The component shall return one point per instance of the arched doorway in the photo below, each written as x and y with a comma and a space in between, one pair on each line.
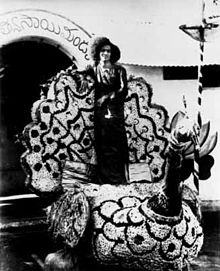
34, 45
25, 65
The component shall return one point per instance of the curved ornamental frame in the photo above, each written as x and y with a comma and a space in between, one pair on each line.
147, 129
62, 131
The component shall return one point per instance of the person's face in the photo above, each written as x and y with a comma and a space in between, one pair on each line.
105, 53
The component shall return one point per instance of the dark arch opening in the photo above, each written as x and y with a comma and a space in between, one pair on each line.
24, 65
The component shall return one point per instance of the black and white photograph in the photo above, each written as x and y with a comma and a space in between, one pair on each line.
109, 135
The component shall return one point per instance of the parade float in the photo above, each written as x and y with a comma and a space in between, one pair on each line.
151, 223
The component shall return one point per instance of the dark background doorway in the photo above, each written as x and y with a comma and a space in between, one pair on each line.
26, 65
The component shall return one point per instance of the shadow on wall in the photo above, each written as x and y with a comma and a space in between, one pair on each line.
24, 65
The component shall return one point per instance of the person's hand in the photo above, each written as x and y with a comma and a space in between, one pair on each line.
101, 100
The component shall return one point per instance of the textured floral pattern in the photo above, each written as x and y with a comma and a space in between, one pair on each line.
126, 231
146, 127
63, 130
133, 236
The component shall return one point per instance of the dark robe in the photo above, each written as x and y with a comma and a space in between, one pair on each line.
110, 134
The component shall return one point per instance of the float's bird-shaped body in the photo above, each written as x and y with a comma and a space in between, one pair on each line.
146, 224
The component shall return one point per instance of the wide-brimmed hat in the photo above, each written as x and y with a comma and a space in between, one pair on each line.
97, 43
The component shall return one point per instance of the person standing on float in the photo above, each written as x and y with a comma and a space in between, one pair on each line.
110, 93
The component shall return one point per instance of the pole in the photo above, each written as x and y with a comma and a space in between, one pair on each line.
199, 98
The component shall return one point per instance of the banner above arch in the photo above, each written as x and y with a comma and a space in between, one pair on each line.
63, 33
